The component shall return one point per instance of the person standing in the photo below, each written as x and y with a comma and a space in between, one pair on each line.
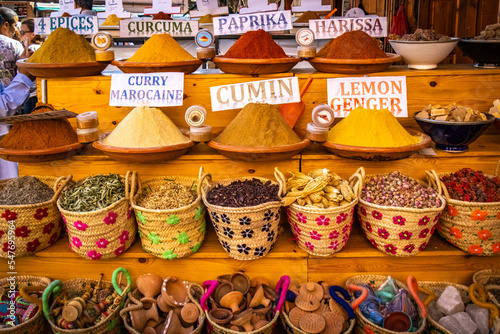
10, 49
31, 43
85, 7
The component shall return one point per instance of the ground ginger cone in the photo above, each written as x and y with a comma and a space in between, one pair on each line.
160, 48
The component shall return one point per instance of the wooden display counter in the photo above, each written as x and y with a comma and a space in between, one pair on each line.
440, 260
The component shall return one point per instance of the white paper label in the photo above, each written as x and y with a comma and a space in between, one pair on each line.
240, 24
311, 5
66, 6
164, 6
163, 89
146, 28
114, 7
83, 25
331, 28
346, 94
255, 6
208, 7
274, 91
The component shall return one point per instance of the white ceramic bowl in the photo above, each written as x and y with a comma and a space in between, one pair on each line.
423, 55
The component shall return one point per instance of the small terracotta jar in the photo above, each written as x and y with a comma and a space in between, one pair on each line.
174, 325
220, 316
240, 281
149, 285
139, 318
175, 292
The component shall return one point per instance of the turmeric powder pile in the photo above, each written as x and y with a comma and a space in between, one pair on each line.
111, 20
371, 128
160, 48
63, 46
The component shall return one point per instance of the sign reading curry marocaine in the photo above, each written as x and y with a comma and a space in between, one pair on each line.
147, 28
83, 25
274, 91
240, 24
373, 25
163, 89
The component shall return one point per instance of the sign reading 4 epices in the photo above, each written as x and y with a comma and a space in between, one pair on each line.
82, 25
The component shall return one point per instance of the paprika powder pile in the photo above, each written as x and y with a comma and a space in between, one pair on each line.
352, 45
255, 45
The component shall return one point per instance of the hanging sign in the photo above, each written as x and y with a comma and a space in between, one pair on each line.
346, 94
66, 6
163, 89
82, 25
208, 7
311, 5
331, 28
164, 6
274, 91
255, 6
147, 28
240, 24
113, 7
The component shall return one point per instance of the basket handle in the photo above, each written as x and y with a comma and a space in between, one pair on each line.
136, 184
130, 179
361, 298
135, 305
357, 181
411, 281
281, 181
115, 283
430, 295
210, 286
482, 301
60, 183
283, 284
54, 287
202, 177
497, 170
24, 292
437, 184
333, 293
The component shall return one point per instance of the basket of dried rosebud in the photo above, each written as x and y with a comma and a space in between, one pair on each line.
398, 214
472, 215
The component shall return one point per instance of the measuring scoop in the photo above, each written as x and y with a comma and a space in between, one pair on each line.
291, 112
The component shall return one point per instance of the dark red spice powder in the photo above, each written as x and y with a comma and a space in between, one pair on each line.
255, 45
355, 45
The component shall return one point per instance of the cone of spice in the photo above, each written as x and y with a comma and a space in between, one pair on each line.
255, 45
352, 45
160, 48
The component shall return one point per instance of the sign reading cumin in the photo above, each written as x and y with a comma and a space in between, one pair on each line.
326, 29
147, 28
274, 91
239, 24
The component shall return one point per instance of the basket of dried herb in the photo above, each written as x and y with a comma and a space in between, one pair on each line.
170, 215
471, 218
245, 213
29, 205
98, 215
398, 214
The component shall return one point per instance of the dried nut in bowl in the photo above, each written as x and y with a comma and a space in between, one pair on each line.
220, 316
139, 318
223, 289
243, 320
295, 315
232, 301
259, 298
190, 313
333, 323
175, 291
240, 282
307, 302
313, 289
337, 309
312, 323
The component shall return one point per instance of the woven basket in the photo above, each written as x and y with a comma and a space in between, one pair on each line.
36, 226
321, 232
395, 230
471, 226
76, 288
104, 233
195, 293
246, 233
35, 325
174, 233
484, 278
363, 325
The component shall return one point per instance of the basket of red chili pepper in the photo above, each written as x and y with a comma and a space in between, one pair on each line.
472, 215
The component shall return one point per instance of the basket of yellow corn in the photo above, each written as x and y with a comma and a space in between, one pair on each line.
320, 209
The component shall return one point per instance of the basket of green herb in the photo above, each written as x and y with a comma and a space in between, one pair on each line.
98, 215
170, 215
28, 208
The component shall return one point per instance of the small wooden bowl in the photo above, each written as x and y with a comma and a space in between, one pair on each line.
253, 154
143, 155
379, 153
256, 66
63, 70
50, 154
186, 66
354, 66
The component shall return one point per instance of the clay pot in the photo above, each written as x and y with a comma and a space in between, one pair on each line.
243, 304
259, 298
260, 324
337, 309
224, 278
307, 302
232, 301
213, 303
243, 320
190, 313
223, 289
398, 322
294, 286
175, 292
162, 304
312, 323
269, 292
148, 302
149, 285
174, 325
295, 315
261, 312
139, 318
313, 289
240, 282
220, 316
149, 330
326, 292
258, 281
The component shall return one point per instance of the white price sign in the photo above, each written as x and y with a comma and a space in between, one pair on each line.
346, 94
114, 7
255, 6
208, 7
274, 91
240, 24
311, 5
331, 28
164, 6
83, 25
163, 89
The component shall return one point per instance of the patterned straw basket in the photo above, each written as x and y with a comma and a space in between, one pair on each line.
395, 230
471, 226
489, 278
104, 233
37, 324
36, 226
174, 233
320, 232
195, 293
76, 288
363, 325
246, 233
